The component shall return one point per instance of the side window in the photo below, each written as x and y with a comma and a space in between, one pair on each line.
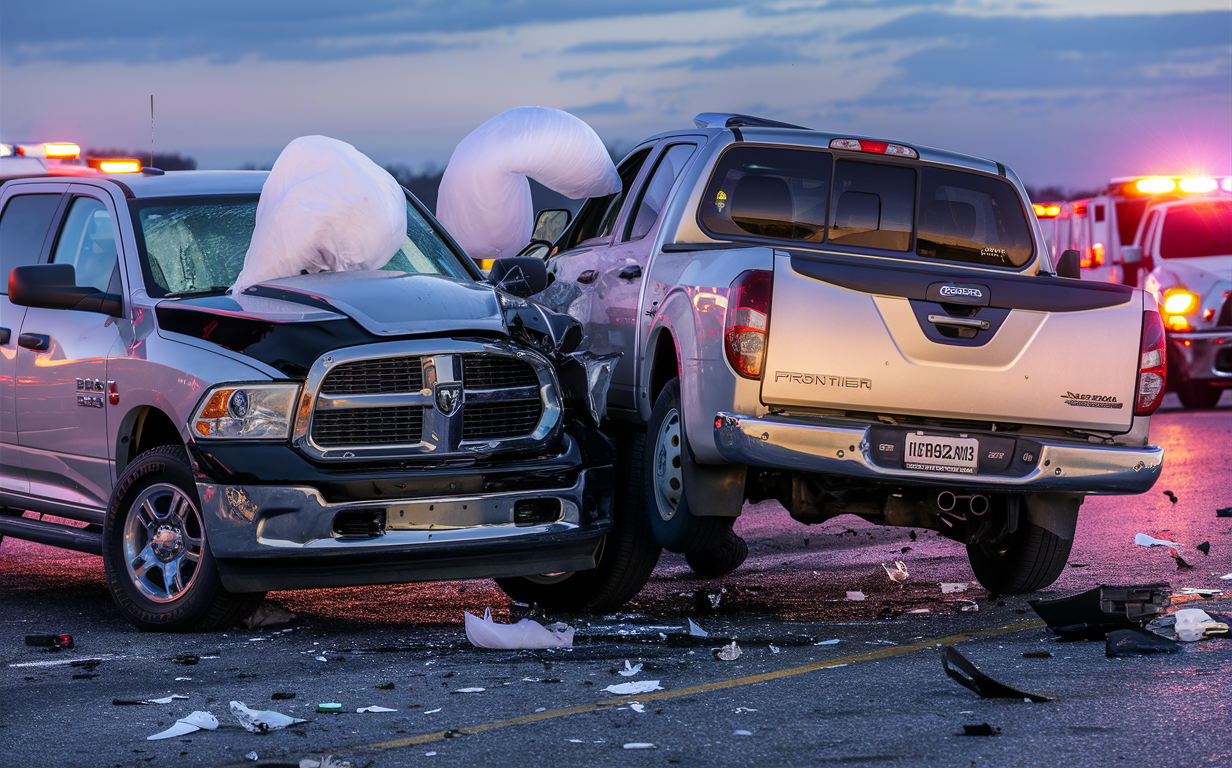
658, 187
873, 205
87, 242
23, 227
598, 215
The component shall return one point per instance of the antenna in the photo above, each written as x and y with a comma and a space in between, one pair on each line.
151, 130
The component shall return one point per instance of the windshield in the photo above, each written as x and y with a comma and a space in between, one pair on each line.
1201, 229
197, 244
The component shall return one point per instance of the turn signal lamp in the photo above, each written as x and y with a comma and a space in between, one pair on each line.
61, 151
1155, 186
1180, 302
1046, 211
1152, 365
1199, 185
875, 147
115, 165
748, 317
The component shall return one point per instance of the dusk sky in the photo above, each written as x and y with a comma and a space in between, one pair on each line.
1067, 92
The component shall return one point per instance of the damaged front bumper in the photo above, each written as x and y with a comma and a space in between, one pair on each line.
1204, 356
852, 449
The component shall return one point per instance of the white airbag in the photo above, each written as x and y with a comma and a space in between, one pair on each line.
484, 199
325, 207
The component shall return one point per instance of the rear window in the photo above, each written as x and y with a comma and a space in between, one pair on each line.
971, 218
1200, 229
809, 196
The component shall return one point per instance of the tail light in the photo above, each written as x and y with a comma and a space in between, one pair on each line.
748, 316
1152, 365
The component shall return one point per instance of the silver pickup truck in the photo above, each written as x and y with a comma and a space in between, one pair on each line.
319, 430
851, 325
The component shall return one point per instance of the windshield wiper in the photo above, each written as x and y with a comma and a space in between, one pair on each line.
205, 292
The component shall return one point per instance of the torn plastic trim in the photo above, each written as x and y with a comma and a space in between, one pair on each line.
967, 675
1092, 614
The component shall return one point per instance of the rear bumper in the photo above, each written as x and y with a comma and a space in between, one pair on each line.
1202, 356
845, 448
267, 537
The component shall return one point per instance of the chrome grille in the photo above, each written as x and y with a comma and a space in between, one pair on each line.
371, 377
491, 421
395, 425
496, 371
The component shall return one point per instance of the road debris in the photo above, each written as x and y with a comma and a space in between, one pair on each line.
261, 720
1201, 592
729, 652
630, 669
638, 708
693, 630
1171, 496
328, 762
855, 596
950, 587
469, 690
742, 732
898, 574
639, 745
526, 634
375, 708
1225, 577
1225, 512
197, 721
826, 642
282, 696
1037, 655
980, 729
187, 659
1204, 548
1193, 624
267, 615
166, 699
1092, 614
966, 674
55, 642
635, 687
1137, 642
253, 756
774, 648
1143, 540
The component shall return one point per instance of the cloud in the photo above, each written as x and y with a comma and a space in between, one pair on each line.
754, 53
619, 46
619, 106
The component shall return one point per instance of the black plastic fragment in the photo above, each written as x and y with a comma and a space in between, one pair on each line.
1204, 548
282, 696
980, 729
1093, 614
1037, 655
1171, 496
50, 641
1137, 642
965, 673
1225, 512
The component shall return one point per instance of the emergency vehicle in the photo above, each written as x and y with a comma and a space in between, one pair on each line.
58, 158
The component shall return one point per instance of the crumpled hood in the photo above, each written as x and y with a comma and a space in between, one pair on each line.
1200, 275
394, 303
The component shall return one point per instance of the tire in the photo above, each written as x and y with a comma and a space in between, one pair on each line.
1197, 394
665, 499
727, 557
626, 558
1033, 561
158, 564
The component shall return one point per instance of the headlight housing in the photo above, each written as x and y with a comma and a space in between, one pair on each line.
1178, 301
257, 411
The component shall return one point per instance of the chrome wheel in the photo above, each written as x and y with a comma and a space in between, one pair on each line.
668, 476
163, 541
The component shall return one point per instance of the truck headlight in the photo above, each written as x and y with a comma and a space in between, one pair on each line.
263, 411
1179, 301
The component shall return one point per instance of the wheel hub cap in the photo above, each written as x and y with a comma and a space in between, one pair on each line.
166, 542
669, 476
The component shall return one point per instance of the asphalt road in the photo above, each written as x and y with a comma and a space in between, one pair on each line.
877, 696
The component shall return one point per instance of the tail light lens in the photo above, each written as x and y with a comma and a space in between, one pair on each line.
748, 316
1152, 365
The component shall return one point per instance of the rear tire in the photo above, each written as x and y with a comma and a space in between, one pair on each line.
1034, 559
727, 557
1197, 394
626, 558
158, 564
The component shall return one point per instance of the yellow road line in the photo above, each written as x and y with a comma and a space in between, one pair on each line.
881, 653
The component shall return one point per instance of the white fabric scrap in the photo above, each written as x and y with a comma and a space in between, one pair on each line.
188, 724
261, 720
485, 633
374, 708
484, 199
325, 207
1143, 540
637, 686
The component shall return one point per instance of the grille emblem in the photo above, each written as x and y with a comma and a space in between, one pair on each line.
448, 397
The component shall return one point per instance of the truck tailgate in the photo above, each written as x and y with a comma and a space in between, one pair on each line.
875, 338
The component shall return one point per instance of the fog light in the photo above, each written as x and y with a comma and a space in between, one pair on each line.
360, 522
536, 511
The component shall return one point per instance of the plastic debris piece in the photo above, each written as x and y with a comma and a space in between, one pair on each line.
636, 707
282, 696
966, 674
469, 690
187, 659
1204, 548
1180, 561
694, 630
325, 207
1137, 642
1226, 577
950, 587
639, 745
637, 686
1143, 540
965, 605
329, 761
630, 669
742, 732
252, 756
50, 641
197, 721
374, 708
1037, 655
1225, 512
526, 634
826, 642
774, 648
267, 615
1092, 614
433, 711
1193, 624
920, 610
386, 687
980, 729
165, 699
261, 720
183, 679
321, 658
729, 652
856, 596
1171, 496
898, 574
1202, 592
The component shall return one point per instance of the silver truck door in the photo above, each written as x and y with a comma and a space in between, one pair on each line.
62, 390
28, 211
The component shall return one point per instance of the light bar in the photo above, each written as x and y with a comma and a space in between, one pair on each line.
1199, 185
875, 147
1155, 186
61, 151
115, 164
1226, 183
1046, 211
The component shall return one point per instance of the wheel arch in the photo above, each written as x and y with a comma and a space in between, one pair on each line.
664, 364
143, 428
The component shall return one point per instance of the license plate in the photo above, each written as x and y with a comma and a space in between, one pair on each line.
941, 454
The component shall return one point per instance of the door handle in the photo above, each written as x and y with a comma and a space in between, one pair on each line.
631, 272
587, 277
960, 322
5, 334
37, 341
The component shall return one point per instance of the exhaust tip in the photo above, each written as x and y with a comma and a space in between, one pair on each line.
978, 504
946, 501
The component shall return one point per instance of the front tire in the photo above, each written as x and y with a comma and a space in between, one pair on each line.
1033, 560
1197, 394
158, 564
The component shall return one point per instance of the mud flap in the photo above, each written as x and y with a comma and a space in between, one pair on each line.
715, 490
1056, 513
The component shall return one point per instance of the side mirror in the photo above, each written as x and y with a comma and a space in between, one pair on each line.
550, 224
1131, 254
1069, 265
535, 249
54, 286
520, 275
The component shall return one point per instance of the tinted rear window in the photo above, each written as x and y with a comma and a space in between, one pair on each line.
873, 205
768, 192
971, 218
1200, 229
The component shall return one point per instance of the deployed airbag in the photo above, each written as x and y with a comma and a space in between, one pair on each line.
484, 199
325, 207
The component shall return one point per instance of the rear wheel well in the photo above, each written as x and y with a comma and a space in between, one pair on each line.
664, 366
148, 428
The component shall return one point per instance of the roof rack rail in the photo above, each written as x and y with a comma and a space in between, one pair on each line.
732, 120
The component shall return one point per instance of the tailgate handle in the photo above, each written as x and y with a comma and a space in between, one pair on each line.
960, 322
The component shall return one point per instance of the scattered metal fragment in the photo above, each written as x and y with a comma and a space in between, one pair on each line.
729, 652
639, 745
1092, 614
253, 756
1137, 642
1193, 624
966, 674
1143, 540
469, 690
